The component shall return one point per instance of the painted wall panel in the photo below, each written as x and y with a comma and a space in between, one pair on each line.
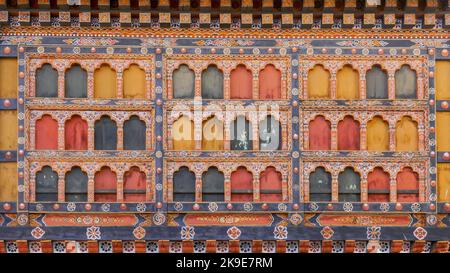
406, 135
8, 183
183, 185
348, 134
270, 182
212, 83
76, 182
241, 83
241, 134
8, 130
318, 83
76, 82
46, 185
270, 136
213, 185
8, 78
105, 82
46, 133
441, 77
319, 134
270, 83
442, 131
76, 131
241, 185
378, 182
134, 134
183, 134
377, 135
183, 83
320, 185
105, 182
376, 83
212, 134
443, 171
134, 185
134, 82
105, 136
347, 83
407, 186
405, 83
46, 82
349, 183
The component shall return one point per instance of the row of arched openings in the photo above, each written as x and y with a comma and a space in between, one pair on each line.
241, 134
348, 83
76, 82
213, 185
349, 189
212, 83
76, 133
76, 185
377, 135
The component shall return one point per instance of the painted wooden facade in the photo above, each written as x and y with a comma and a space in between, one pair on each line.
321, 127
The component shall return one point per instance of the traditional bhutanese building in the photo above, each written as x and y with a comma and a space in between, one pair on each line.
224, 126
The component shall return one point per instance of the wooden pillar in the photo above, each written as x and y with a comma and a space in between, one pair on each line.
61, 85
334, 187
334, 142
91, 187
391, 85
119, 84
227, 134
198, 83
61, 137
256, 84
226, 83
119, 187
198, 131
120, 136
284, 187
362, 85
91, 136
61, 187
422, 197
256, 195
391, 137
284, 136
363, 137
148, 85
421, 133
90, 86
227, 187
32, 187
255, 134
333, 87
198, 187
393, 188
149, 189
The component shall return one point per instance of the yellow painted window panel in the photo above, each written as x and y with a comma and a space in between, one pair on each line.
318, 83
347, 83
183, 134
443, 131
406, 135
377, 135
443, 182
134, 82
8, 78
105, 83
8, 130
212, 138
8, 182
442, 75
